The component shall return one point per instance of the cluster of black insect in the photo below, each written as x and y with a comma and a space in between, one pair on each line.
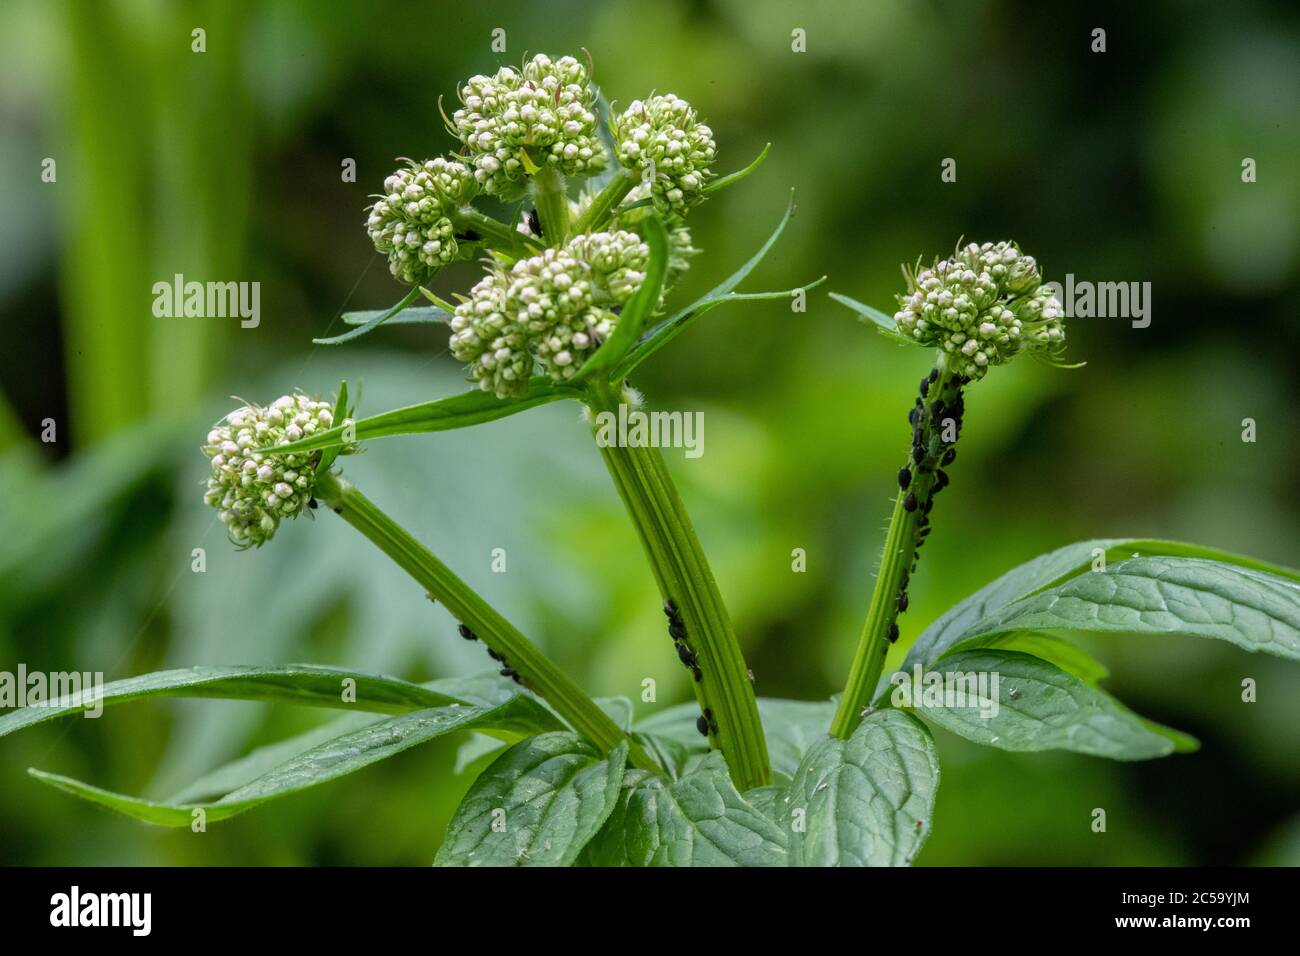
923, 476
677, 631
506, 669
705, 723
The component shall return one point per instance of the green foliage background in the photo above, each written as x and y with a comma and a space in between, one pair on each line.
226, 165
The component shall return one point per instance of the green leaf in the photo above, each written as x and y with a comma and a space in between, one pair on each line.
732, 178
1055, 650
416, 315
663, 333
699, 820
292, 683
1051, 569
1033, 706
639, 308
443, 414
379, 319
868, 800
321, 763
792, 727
885, 324
341, 411
1191, 597
538, 804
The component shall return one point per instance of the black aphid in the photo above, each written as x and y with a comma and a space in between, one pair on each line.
684, 653
925, 387
929, 503
670, 609
677, 630
904, 477
934, 374
911, 415
909, 503
918, 453
950, 456
508, 672
699, 674
469, 235
534, 223
893, 632
494, 655
902, 601
313, 504
466, 633
937, 407
940, 480
702, 725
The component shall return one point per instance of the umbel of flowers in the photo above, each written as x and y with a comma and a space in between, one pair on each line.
981, 306
546, 308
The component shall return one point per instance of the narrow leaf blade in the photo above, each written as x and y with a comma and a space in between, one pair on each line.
373, 323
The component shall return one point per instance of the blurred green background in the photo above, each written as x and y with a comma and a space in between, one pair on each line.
226, 165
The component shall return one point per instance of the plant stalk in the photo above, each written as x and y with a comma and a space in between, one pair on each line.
684, 578
502, 235
907, 532
537, 672
605, 202
552, 205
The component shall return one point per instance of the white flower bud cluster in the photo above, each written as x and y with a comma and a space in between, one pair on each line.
547, 110
411, 222
556, 307
662, 139
982, 307
253, 490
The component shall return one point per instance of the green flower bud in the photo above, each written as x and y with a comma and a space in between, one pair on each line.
554, 309
253, 490
411, 222
982, 306
662, 140
518, 121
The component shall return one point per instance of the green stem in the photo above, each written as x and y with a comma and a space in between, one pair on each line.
907, 530
539, 674
684, 577
604, 202
501, 234
552, 205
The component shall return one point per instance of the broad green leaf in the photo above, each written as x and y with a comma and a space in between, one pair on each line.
1191, 597
618, 709
538, 804
414, 315
791, 727
639, 308
659, 336
292, 683
1053, 568
1055, 650
868, 800
699, 820
673, 755
373, 323
443, 414
324, 762
1034, 705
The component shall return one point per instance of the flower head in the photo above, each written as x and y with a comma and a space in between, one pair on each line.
554, 308
663, 140
981, 306
411, 223
517, 121
251, 489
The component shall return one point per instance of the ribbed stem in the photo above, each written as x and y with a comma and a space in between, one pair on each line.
683, 575
605, 201
502, 235
552, 205
537, 671
908, 528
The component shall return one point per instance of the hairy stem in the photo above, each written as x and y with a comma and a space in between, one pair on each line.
684, 578
536, 671
552, 205
936, 423
605, 202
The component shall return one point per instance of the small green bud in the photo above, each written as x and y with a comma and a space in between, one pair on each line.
411, 223
982, 306
518, 121
253, 490
661, 137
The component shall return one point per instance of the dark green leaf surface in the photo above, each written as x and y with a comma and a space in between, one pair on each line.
538, 804
1051, 569
868, 800
293, 683
699, 820
1038, 707
326, 761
